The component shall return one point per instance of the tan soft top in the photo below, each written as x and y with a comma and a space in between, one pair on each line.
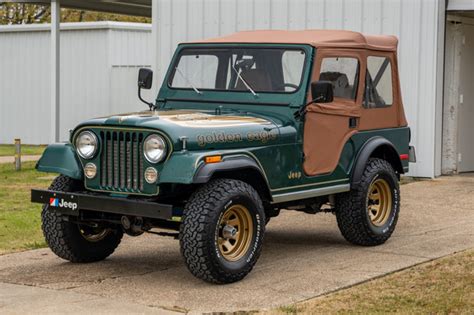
315, 38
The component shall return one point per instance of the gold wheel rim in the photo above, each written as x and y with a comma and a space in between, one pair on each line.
93, 236
379, 202
235, 233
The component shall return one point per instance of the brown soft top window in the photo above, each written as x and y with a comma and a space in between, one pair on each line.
343, 73
378, 83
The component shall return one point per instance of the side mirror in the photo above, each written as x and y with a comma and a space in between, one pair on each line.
145, 78
322, 91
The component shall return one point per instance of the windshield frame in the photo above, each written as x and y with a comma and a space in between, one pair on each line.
175, 61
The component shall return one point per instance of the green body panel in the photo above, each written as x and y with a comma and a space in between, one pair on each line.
60, 158
180, 168
399, 137
227, 123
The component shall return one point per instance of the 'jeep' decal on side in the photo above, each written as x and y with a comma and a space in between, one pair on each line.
55, 202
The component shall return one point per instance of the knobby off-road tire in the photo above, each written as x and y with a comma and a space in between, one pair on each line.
209, 213
65, 238
356, 214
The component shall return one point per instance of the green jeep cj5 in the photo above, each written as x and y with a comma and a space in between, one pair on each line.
243, 126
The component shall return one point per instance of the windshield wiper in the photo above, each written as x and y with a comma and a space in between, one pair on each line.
244, 82
188, 82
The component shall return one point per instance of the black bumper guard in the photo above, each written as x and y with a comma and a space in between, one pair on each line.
69, 203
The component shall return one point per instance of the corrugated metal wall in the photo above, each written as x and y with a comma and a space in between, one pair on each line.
128, 51
414, 22
99, 66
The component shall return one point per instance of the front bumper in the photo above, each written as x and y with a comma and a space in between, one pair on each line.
70, 203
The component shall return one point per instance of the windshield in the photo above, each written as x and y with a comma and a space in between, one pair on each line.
251, 70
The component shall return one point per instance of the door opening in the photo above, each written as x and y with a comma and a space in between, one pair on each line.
458, 112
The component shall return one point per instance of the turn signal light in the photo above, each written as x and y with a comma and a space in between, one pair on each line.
90, 170
151, 175
213, 159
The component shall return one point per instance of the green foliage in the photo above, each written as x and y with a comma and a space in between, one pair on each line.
26, 149
22, 13
19, 218
70, 15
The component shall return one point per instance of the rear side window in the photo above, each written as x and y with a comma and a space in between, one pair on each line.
378, 83
343, 73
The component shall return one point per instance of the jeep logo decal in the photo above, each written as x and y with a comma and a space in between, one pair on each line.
294, 175
55, 202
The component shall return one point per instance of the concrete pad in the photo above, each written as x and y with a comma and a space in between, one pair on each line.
304, 256
18, 299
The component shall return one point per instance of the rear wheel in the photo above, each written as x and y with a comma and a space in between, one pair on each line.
76, 242
368, 214
222, 232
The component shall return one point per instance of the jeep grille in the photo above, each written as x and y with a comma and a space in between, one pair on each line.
121, 161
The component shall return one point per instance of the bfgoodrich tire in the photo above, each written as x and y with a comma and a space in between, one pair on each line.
368, 214
74, 242
222, 232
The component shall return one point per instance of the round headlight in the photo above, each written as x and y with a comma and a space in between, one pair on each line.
154, 148
86, 144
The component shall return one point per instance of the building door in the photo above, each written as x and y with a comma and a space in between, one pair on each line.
466, 102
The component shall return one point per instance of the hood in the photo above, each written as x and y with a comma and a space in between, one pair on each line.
203, 129
186, 118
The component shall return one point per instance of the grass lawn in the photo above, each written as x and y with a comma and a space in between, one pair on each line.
443, 286
26, 149
19, 218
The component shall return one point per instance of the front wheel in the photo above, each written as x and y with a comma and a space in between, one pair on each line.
222, 232
368, 214
76, 242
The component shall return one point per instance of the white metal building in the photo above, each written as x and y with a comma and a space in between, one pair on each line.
99, 65
435, 43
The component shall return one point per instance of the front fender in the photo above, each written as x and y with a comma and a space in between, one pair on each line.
60, 158
231, 163
180, 167
189, 167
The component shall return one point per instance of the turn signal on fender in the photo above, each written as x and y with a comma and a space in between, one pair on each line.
213, 159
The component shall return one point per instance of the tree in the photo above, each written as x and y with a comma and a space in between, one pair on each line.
22, 13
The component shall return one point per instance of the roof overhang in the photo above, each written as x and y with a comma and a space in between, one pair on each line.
460, 5
130, 7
